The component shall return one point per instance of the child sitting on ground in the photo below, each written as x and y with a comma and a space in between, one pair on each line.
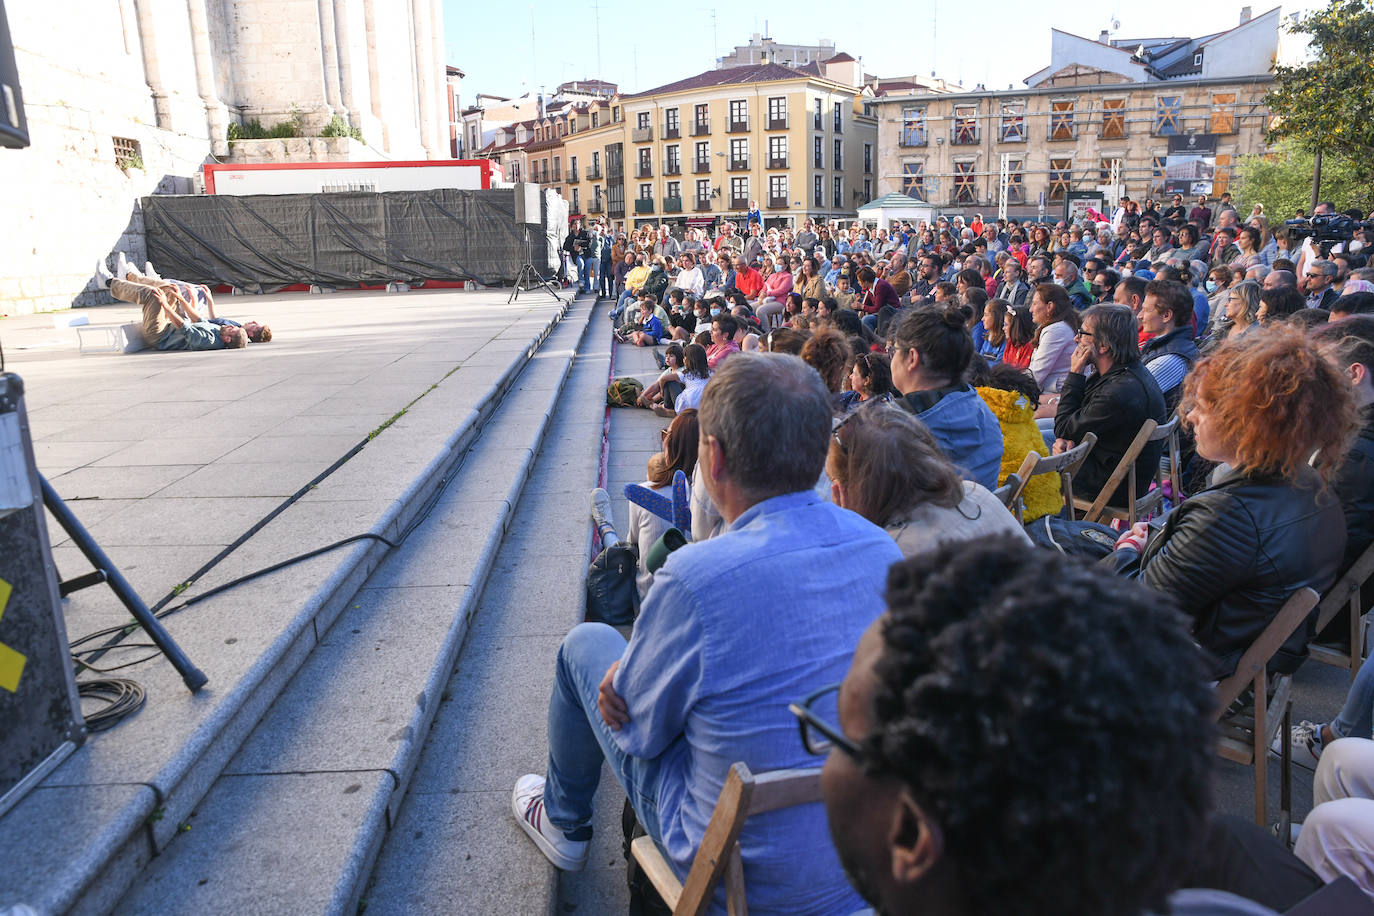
650, 329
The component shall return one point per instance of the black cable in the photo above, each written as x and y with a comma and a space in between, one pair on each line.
122, 698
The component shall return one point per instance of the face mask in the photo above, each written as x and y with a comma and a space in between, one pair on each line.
1058, 281
1356, 246
1127, 273
715, 312
1211, 286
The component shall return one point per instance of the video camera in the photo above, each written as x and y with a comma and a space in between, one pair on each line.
1334, 227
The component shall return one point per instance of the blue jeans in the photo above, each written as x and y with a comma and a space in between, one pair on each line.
626, 299
579, 740
586, 270
1356, 718
607, 280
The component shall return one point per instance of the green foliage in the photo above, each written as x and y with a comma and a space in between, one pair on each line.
338, 127
252, 129
1282, 180
1329, 103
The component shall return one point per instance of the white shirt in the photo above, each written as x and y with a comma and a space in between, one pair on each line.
692, 281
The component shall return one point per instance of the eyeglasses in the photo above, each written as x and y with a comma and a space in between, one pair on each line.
817, 735
1081, 333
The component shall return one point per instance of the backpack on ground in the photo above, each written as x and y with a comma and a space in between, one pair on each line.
612, 593
624, 392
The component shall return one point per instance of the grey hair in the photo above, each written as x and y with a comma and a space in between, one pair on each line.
1114, 327
1257, 272
1249, 290
1071, 268
770, 414
1328, 268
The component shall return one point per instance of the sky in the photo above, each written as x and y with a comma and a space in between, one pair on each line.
993, 42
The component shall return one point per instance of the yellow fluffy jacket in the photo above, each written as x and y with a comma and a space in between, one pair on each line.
1020, 435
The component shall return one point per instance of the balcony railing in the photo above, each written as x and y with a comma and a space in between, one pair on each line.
672, 205
644, 205
644, 170
671, 131
571, 176
673, 168
701, 128
614, 172
777, 123
739, 203
777, 203
701, 166
737, 127
702, 204
739, 165
780, 162
594, 173
595, 207
642, 134
616, 211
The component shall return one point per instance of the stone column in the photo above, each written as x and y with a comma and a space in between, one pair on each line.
152, 74
329, 54
216, 115
345, 51
374, 78
424, 73
442, 148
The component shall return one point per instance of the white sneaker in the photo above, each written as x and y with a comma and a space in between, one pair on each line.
102, 273
1305, 740
527, 804
122, 266
149, 272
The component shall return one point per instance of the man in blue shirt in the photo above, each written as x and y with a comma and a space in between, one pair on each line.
733, 629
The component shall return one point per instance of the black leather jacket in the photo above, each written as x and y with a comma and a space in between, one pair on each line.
1354, 484
1231, 555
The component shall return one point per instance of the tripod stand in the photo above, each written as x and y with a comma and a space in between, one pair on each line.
528, 276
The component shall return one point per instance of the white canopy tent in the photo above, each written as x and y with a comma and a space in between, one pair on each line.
892, 207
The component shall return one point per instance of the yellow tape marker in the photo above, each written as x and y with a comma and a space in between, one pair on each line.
11, 662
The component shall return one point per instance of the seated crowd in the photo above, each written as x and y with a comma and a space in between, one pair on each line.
1006, 728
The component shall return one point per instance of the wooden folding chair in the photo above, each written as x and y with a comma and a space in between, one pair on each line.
1065, 465
1246, 739
1135, 509
1345, 593
743, 795
1007, 491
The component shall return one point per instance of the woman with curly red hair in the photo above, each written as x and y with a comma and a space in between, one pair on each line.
1278, 416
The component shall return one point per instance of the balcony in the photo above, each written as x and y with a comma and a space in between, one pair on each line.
701, 128
571, 176
739, 165
912, 137
737, 127
671, 131
672, 205
965, 136
673, 168
644, 205
776, 123
642, 134
777, 203
594, 173
596, 207
557, 176
616, 211
701, 166
739, 203
615, 172
644, 170
780, 162
702, 204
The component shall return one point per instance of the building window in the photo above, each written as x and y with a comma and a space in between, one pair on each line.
615, 114
127, 154
1016, 188
818, 153
1061, 120
1157, 174
596, 119
1104, 169
777, 152
1223, 113
596, 164
839, 155
819, 121
839, 193
674, 190
818, 191
777, 111
702, 117
868, 158
1168, 109
646, 163
1013, 127
646, 191
913, 127
914, 180
673, 159
739, 114
777, 190
1113, 119
1197, 59
965, 124
1222, 176
703, 190
670, 122
515, 171
739, 153
868, 189
576, 207
839, 117
703, 156
739, 193
1061, 175
964, 192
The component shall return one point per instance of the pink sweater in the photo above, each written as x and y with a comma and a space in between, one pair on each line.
777, 285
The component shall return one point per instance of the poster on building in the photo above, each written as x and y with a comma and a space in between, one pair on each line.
1191, 164
1080, 206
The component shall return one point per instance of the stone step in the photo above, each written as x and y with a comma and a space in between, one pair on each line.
295, 821
77, 842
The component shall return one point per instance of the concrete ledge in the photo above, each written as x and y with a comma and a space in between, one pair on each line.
176, 748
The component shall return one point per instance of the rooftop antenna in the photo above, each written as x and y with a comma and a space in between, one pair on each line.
715, 41
934, 38
596, 17
533, 57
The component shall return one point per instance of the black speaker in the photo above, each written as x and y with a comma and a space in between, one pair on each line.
527, 204
14, 126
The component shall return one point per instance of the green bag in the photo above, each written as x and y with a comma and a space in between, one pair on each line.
624, 392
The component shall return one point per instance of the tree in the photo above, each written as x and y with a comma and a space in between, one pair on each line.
1282, 180
1327, 105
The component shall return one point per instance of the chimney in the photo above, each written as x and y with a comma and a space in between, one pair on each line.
1245, 14
1105, 37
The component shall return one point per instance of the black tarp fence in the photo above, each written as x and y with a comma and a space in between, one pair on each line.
266, 241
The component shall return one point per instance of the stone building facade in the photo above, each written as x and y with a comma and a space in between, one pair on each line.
128, 98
